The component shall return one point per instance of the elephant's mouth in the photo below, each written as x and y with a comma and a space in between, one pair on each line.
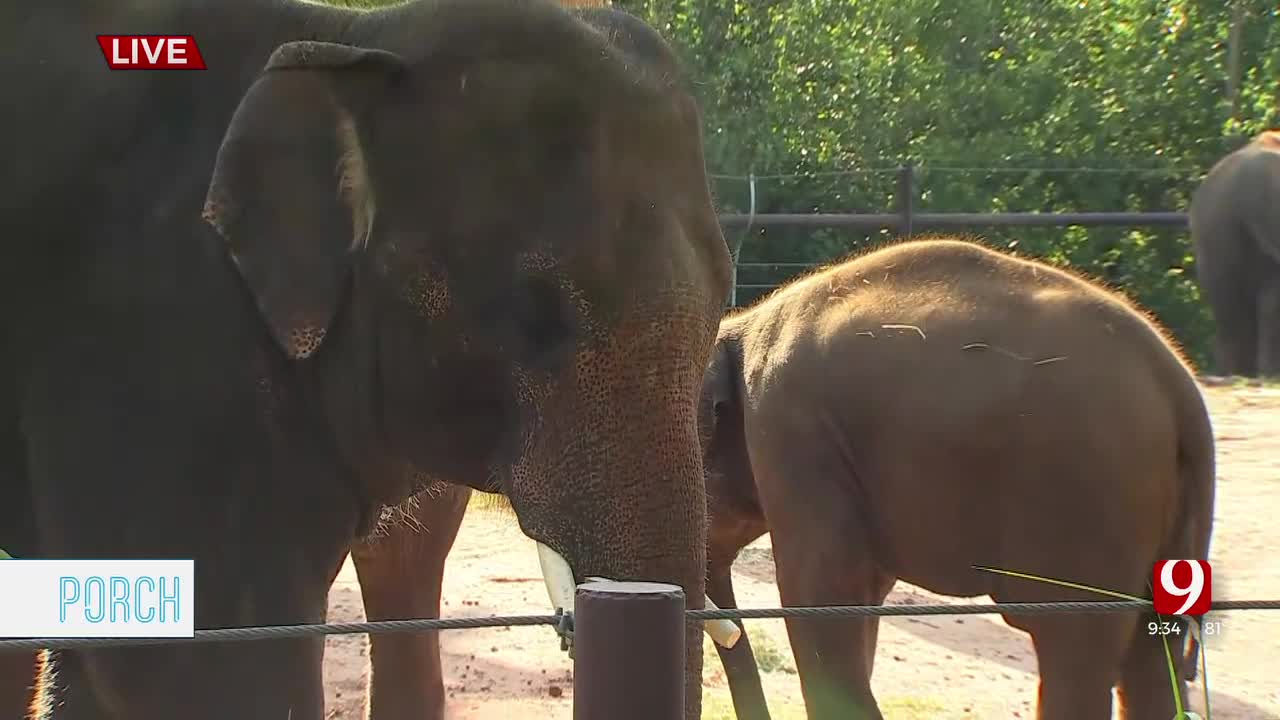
562, 584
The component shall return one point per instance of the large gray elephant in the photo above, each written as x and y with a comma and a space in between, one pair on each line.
244, 309
1235, 230
934, 405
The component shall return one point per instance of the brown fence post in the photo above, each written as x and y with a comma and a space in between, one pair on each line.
628, 651
906, 198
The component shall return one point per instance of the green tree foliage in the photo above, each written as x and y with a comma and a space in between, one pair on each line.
819, 97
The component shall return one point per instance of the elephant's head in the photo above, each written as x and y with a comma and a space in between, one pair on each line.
489, 234
733, 505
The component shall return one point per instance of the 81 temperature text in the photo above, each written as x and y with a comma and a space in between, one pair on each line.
1207, 627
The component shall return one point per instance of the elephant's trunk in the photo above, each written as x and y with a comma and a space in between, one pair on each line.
658, 537
616, 491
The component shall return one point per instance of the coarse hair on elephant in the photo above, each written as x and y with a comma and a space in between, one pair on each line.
933, 405
1235, 233
365, 253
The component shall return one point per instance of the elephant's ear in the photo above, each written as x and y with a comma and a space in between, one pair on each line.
291, 192
721, 378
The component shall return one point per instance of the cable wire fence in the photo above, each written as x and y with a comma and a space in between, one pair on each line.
1040, 166
558, 620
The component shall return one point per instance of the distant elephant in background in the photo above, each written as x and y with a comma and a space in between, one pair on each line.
934, 405
1235, 231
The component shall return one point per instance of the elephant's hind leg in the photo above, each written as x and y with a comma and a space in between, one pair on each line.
400, 578
1146, 689
834, 656
1079, 658
1235, 339
1269, 326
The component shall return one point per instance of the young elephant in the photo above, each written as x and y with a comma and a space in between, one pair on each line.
935, 405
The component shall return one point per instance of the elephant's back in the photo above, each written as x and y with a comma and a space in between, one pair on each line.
889, 317
1240, 190
954, 335
1268, 139
945, 282
1252, 169
975, 392
943, 290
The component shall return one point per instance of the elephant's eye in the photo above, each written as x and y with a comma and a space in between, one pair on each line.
545, 322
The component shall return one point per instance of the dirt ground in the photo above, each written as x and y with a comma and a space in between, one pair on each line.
932, 667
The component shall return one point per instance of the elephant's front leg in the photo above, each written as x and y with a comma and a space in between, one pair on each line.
833, 655
739, 661
821, 560
400, 578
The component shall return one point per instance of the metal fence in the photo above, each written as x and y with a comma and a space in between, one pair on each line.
905, 220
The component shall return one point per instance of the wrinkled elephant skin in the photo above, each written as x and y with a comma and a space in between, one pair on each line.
364, 253
933, 405
1235, 232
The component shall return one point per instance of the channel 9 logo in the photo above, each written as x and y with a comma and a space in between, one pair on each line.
1181, 587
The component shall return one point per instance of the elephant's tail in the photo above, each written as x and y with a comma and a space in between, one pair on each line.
1197, 475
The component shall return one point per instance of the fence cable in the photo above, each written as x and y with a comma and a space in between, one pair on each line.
1190, 172
277, 632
